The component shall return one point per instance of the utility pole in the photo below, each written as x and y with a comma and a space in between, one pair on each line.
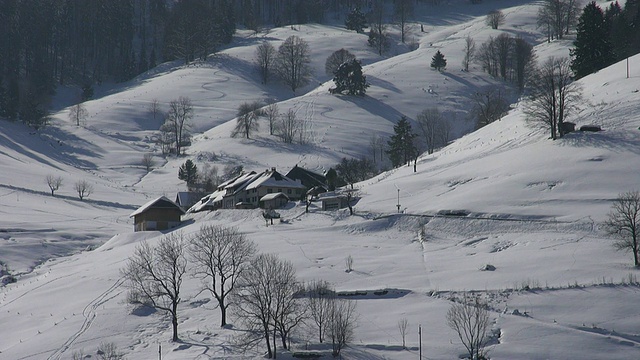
420, 339
398, 201
159, 351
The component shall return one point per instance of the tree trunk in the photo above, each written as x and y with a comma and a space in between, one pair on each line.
174, 323
223, 313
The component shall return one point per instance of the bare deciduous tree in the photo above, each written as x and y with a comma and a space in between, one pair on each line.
320, 296
495, 18
293, 62
83, 188
289, 127
178, 121
378, 37
403, 10
247, 121
336, 59
147, 161
78, 113
154, 109
553, 95
54, 183
263, 296
624, 223
272, 113
470, 320
558, 16
489, 106
434, 128
109, 351
523, 56
403, 325
342, 323
469, 51
220, 254
155, 275
265, 60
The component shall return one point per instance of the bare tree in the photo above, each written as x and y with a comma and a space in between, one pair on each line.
147, 161
178, 121
403, 324
54, 183
434, 128
155, 275
342, 323
247, 121
320, 297
503, 47
154, 109
109, 351
220, 254
487, 57
553, 95
558, 17
261, 298
523, 57
83, 188
624, 223
272, 113
289, 127
469, 50
403, 10
265, 60
378, 37
489, 106
470, 320
78, 113
495, 18
293, 62
336, 59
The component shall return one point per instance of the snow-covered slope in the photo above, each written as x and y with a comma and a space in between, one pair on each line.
534, 206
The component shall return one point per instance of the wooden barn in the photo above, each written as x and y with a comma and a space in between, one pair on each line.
158, 214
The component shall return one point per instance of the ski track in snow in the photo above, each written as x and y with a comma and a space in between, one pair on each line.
89, 313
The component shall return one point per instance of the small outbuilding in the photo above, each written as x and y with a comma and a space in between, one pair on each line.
157, 214
274, 201
333, 201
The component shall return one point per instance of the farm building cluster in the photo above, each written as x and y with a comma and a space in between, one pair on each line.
267, 190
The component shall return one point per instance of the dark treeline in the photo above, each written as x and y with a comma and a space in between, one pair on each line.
46, 43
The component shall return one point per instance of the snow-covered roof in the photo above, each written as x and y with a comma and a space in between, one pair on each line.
273, 196
161, 199
208, 200
275, 179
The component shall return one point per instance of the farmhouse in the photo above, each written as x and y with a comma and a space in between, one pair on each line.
247, 191
157, 214
310, 179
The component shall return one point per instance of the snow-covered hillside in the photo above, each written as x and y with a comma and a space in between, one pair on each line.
534, 206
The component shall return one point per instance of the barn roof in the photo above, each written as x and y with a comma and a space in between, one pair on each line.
161, 202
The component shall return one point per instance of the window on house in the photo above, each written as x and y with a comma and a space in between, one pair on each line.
279, 190
288, 191
269, 191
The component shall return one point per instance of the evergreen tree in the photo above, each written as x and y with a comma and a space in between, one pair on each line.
401, 145
189, 173
438, 61
349, 77
592, 49
356, 20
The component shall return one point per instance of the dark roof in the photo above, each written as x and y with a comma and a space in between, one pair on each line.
161, 202
308, 178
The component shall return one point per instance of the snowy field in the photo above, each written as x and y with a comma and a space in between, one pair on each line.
534, 206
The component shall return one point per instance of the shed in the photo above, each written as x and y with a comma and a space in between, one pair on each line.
274, 201
332, 201
157, 214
